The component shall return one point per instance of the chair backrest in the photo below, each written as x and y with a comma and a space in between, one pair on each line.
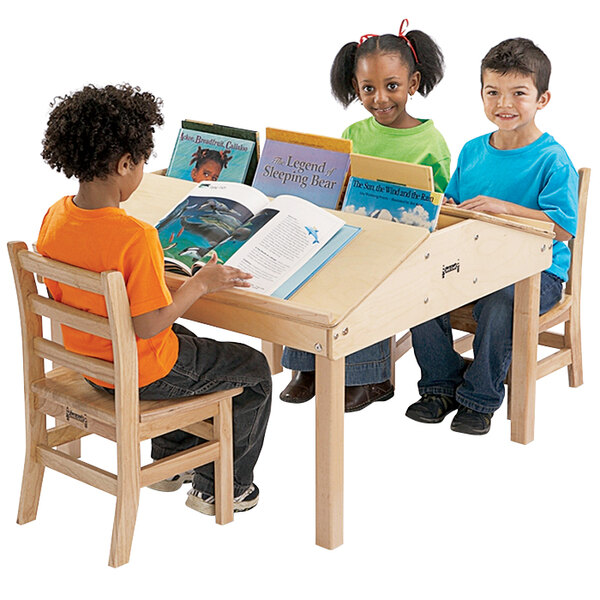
573, 286
118, 328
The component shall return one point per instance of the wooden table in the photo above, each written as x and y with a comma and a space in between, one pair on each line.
388, 279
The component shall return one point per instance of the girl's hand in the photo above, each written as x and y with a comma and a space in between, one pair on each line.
214, 277
448, 200
488, 204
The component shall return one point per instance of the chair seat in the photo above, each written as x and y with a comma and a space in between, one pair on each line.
67, 395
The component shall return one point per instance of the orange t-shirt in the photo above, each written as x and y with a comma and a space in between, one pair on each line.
109, 239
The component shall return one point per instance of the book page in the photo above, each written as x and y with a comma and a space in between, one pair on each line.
210, 213
294, 231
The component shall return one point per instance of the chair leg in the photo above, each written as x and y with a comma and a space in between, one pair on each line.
33, 470
224, 464
128, 496
573, 341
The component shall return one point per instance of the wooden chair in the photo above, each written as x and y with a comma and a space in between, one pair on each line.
63, 393
567, 311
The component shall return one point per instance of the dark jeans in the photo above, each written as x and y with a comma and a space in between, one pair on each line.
205, 366
481, 386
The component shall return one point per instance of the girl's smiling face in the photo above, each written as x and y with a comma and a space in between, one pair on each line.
383, 84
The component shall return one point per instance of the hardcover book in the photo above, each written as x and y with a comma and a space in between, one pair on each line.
207, 156
393, 202
309, 166
236, 133
281, 242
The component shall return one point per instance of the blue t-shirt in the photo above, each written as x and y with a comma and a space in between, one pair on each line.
539, 176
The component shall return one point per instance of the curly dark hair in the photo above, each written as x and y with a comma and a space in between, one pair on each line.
89, 130
519, 55
430, 61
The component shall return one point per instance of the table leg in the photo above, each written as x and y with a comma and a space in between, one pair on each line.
273, 353
524, 359
329, 452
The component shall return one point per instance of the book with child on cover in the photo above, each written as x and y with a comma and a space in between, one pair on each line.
281, 242
237, 133
312, 167
205, 152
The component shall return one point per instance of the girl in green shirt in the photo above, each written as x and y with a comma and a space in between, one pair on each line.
383, 72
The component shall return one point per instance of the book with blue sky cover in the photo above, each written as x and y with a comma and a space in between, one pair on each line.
393, 202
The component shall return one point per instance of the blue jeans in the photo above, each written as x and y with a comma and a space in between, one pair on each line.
203, 366
369, 365
481, 386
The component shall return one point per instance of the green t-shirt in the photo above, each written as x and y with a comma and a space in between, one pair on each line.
423, 145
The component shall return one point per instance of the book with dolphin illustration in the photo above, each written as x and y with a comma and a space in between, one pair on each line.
281, 242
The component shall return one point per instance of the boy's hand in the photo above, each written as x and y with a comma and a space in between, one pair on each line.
448, 200
215, 277
488, 204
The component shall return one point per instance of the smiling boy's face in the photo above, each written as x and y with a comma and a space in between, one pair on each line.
511, 101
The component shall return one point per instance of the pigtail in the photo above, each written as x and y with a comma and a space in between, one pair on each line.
342, 74
430, 60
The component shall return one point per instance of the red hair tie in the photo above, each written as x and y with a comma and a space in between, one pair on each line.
401, 35
365, 37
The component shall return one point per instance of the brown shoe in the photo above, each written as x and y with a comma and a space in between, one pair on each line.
358, 397
300, 389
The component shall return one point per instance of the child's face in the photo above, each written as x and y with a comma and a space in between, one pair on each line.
510, 101
383, 83
207, 171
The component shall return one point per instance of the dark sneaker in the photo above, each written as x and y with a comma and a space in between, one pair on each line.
431, 408
470, 421
205, 503
174, 483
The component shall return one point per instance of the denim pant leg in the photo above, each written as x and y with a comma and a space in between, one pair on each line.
369, 365
205, 366
441, 366
483, 386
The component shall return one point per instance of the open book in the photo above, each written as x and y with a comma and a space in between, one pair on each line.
281, 242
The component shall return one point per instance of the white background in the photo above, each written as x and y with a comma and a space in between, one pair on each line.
428, 513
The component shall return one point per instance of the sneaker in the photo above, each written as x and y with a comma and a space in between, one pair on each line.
173, 484
470, 421
205, 503
431, 408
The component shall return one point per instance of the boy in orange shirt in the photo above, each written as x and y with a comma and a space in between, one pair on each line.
103, 137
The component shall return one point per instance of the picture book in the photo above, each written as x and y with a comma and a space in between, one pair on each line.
207, 156
281, 242
236, 133
393, 202
309, 166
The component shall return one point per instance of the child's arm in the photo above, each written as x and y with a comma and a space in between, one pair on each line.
211, 278
502, 207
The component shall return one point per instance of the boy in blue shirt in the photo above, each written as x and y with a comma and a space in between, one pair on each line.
516, 170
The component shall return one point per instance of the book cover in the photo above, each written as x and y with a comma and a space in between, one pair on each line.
233, 132
205, 156
314, 173
393, 202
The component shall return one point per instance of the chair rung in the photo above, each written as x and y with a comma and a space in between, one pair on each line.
177, 463
202, 429
555, 361
63, 434
82, 471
